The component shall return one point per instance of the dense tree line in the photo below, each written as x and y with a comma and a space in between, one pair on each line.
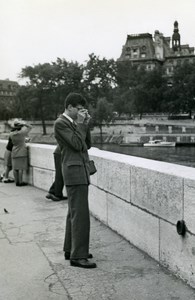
109, 86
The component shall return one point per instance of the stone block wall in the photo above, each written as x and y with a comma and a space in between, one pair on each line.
141, 199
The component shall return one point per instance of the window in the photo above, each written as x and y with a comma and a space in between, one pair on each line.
148, 67
135, 53
169, 70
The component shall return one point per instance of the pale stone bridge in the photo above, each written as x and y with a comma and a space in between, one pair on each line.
140, 199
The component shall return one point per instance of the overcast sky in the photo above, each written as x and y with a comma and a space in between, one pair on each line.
38, 31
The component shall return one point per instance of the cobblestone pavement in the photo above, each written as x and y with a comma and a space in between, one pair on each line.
32, 265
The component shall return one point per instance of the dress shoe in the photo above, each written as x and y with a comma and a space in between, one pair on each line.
48, 196
7, 180
53, 197
67, 255
82, 263
1, 177
62, 197
22, 184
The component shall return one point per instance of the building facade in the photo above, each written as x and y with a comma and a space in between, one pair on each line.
8, 89
149, 51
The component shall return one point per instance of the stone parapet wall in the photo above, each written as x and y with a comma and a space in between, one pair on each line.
141, 199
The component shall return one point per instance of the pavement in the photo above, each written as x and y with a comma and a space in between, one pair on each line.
32, 264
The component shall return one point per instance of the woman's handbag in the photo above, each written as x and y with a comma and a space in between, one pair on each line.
92, 167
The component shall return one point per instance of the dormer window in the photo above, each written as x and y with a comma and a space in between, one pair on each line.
135, 53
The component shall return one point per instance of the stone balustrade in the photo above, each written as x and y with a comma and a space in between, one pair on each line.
141, 199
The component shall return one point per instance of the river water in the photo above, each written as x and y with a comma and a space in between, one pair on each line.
177, 155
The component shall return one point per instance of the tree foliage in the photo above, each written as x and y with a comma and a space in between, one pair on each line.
50, 83
108, 86
139, 90
181, 96
99, 78
102, 114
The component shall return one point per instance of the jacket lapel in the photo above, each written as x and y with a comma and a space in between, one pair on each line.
68, 122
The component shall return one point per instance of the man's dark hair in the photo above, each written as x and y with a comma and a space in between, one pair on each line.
75, 99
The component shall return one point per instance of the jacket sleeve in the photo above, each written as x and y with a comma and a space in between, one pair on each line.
69, 135
25, 130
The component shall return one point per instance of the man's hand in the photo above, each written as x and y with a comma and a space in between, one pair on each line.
87, 118
83, 116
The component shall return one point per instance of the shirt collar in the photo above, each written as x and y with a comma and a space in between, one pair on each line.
67, 117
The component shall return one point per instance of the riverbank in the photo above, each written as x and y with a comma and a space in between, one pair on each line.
124, 132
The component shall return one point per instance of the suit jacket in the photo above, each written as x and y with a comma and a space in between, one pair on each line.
74, 140
57, 150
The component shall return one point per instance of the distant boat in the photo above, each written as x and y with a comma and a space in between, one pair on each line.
159, 143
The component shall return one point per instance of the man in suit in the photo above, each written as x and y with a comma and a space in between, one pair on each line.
73, 136
55, 192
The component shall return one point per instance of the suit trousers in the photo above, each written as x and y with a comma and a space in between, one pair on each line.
57, 186
77, 222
